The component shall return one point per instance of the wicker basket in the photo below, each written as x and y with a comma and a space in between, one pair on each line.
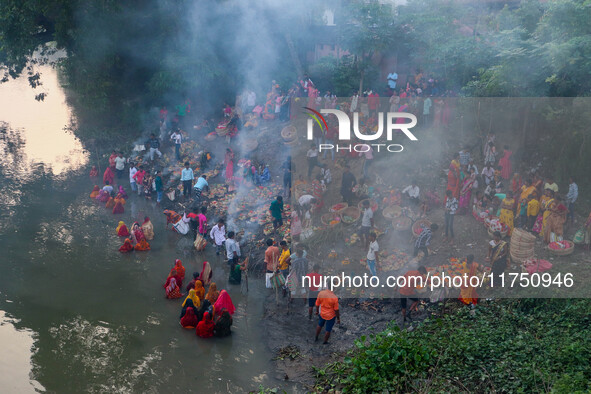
289, 134
392, 212
372, 204
250, 144
402, 223
329, 217
222, 131
563, 252
211, 136
338, 207
417, 225
352, 212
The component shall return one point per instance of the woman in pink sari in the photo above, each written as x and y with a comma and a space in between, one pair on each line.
229, 163
466, 192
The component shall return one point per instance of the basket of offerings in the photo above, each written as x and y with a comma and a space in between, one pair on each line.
338, 207
222, 128
289, 134
489, 220
372, 204
402, 223
391, 212
561, 248
417, 226
330, 219
350, 215
504, 229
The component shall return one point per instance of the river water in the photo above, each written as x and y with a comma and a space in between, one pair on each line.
75, 314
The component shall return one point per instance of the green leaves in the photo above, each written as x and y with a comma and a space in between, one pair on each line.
513, 346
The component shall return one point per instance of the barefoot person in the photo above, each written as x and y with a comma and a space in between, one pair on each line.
327, 306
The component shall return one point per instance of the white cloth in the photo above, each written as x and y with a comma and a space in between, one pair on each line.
367, 216
108, 188
218, 234
120, 163
177, 138
373, 249
132, 172
312, 153
305, 199
251, 98
231, 247
268, 277
413, 191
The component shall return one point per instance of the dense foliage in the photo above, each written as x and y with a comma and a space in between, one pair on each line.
511, 346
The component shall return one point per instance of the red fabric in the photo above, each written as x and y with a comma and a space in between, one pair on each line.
112, 160
123, 231
127, 246
505, 164
93, 172
224, 301
190, 319
118, 208
205, 327
453, 180
108, 176
372, 100
179, 268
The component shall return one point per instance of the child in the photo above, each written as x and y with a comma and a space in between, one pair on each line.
533, 208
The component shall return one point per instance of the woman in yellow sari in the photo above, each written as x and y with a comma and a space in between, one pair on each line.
213, 293
507, 215
547, 207
526, 190
468, 293
193, 299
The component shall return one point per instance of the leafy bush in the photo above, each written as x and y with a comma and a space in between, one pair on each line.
512, 346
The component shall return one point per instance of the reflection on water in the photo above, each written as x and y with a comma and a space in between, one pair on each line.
15, 363
33, 131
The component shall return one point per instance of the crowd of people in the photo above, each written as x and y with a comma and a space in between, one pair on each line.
495, 193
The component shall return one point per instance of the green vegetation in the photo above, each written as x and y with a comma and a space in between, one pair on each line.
510, 346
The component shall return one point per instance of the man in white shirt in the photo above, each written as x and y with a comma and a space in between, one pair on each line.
120, 165
108, 188
177, 138
488, 173
372, 254
366, 223
251, 99
232, 249
412, 192
132, 171
218, 235
187, 179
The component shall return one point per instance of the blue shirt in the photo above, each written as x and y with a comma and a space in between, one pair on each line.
187, 174
201, 183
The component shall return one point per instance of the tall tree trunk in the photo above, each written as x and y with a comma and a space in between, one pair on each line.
294, 55
361, 83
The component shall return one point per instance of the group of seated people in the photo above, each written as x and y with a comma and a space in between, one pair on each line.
137, 238
107, 196
210, 314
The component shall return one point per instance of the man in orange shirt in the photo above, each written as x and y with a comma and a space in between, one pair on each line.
408, 291
327, 304
271, 261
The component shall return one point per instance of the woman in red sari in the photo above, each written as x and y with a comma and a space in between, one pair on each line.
93, 172
142, 246
127, 246
453, 176
108, 176
179, 268
205, 326
136, 232
224, 301
173, 291
119, 202
189, 320
505, 163
466, 192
